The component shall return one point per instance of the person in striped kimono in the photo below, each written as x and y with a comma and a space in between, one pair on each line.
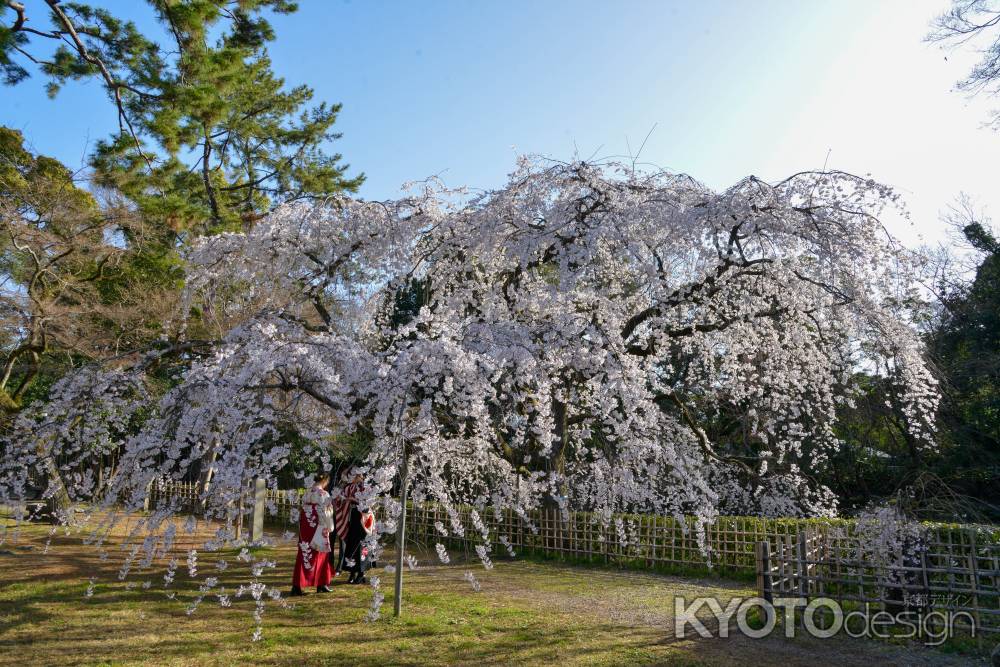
353, 526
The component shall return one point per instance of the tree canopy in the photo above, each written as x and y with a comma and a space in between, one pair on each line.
73, 291
966, 347
578, 332
209, 137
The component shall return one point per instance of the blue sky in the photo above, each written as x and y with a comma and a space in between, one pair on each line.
728, 88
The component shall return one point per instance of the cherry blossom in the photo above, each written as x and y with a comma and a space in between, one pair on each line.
565, 341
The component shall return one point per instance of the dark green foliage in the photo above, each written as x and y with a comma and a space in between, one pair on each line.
960, 479
77, 289
342, 453
210, 138
966, 346
408, 301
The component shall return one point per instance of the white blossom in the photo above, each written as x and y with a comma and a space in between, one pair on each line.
484, 556
374, 611
567, 341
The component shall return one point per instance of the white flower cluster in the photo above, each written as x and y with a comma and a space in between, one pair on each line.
127, 563
306, 552
891, 544
374, 611
562, 342
505, 541
168, 577
484, 556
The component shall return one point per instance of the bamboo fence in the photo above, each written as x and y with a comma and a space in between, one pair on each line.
951, 575
955, 568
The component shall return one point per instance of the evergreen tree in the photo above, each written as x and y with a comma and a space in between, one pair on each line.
959, 478
209, 140
72, 291
966, 346
209, 137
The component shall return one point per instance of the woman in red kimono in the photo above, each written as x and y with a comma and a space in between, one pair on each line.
313, 565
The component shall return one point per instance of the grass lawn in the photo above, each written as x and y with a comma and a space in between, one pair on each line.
525, 613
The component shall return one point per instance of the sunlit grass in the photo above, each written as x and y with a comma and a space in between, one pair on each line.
527, 612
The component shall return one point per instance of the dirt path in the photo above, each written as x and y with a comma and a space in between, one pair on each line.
643, 604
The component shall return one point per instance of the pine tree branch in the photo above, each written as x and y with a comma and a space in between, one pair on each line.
113, 84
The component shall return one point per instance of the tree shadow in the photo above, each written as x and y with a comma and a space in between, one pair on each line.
442, 623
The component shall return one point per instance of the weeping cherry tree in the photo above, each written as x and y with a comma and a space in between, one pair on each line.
571, 340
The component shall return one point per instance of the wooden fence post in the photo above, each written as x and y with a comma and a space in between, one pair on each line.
803, 565
147, 502
974, 580
259, 507
803, 562
764, 571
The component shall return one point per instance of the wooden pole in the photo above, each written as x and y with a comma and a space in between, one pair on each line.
803, 553
764, 571
974, 580
259, 507
147, 502
397, 600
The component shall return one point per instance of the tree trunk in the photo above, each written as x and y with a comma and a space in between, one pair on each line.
205, 475
557, 458
59, 503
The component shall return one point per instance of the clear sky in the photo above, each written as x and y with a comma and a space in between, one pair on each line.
732, 88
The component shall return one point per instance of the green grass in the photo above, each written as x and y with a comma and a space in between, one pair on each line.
528, 612
721, 573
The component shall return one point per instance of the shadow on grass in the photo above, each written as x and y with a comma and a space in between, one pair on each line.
46, 618
527, 613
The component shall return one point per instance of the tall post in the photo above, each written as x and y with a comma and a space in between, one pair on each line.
803, 563
397, 600
259, 507
764, 571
